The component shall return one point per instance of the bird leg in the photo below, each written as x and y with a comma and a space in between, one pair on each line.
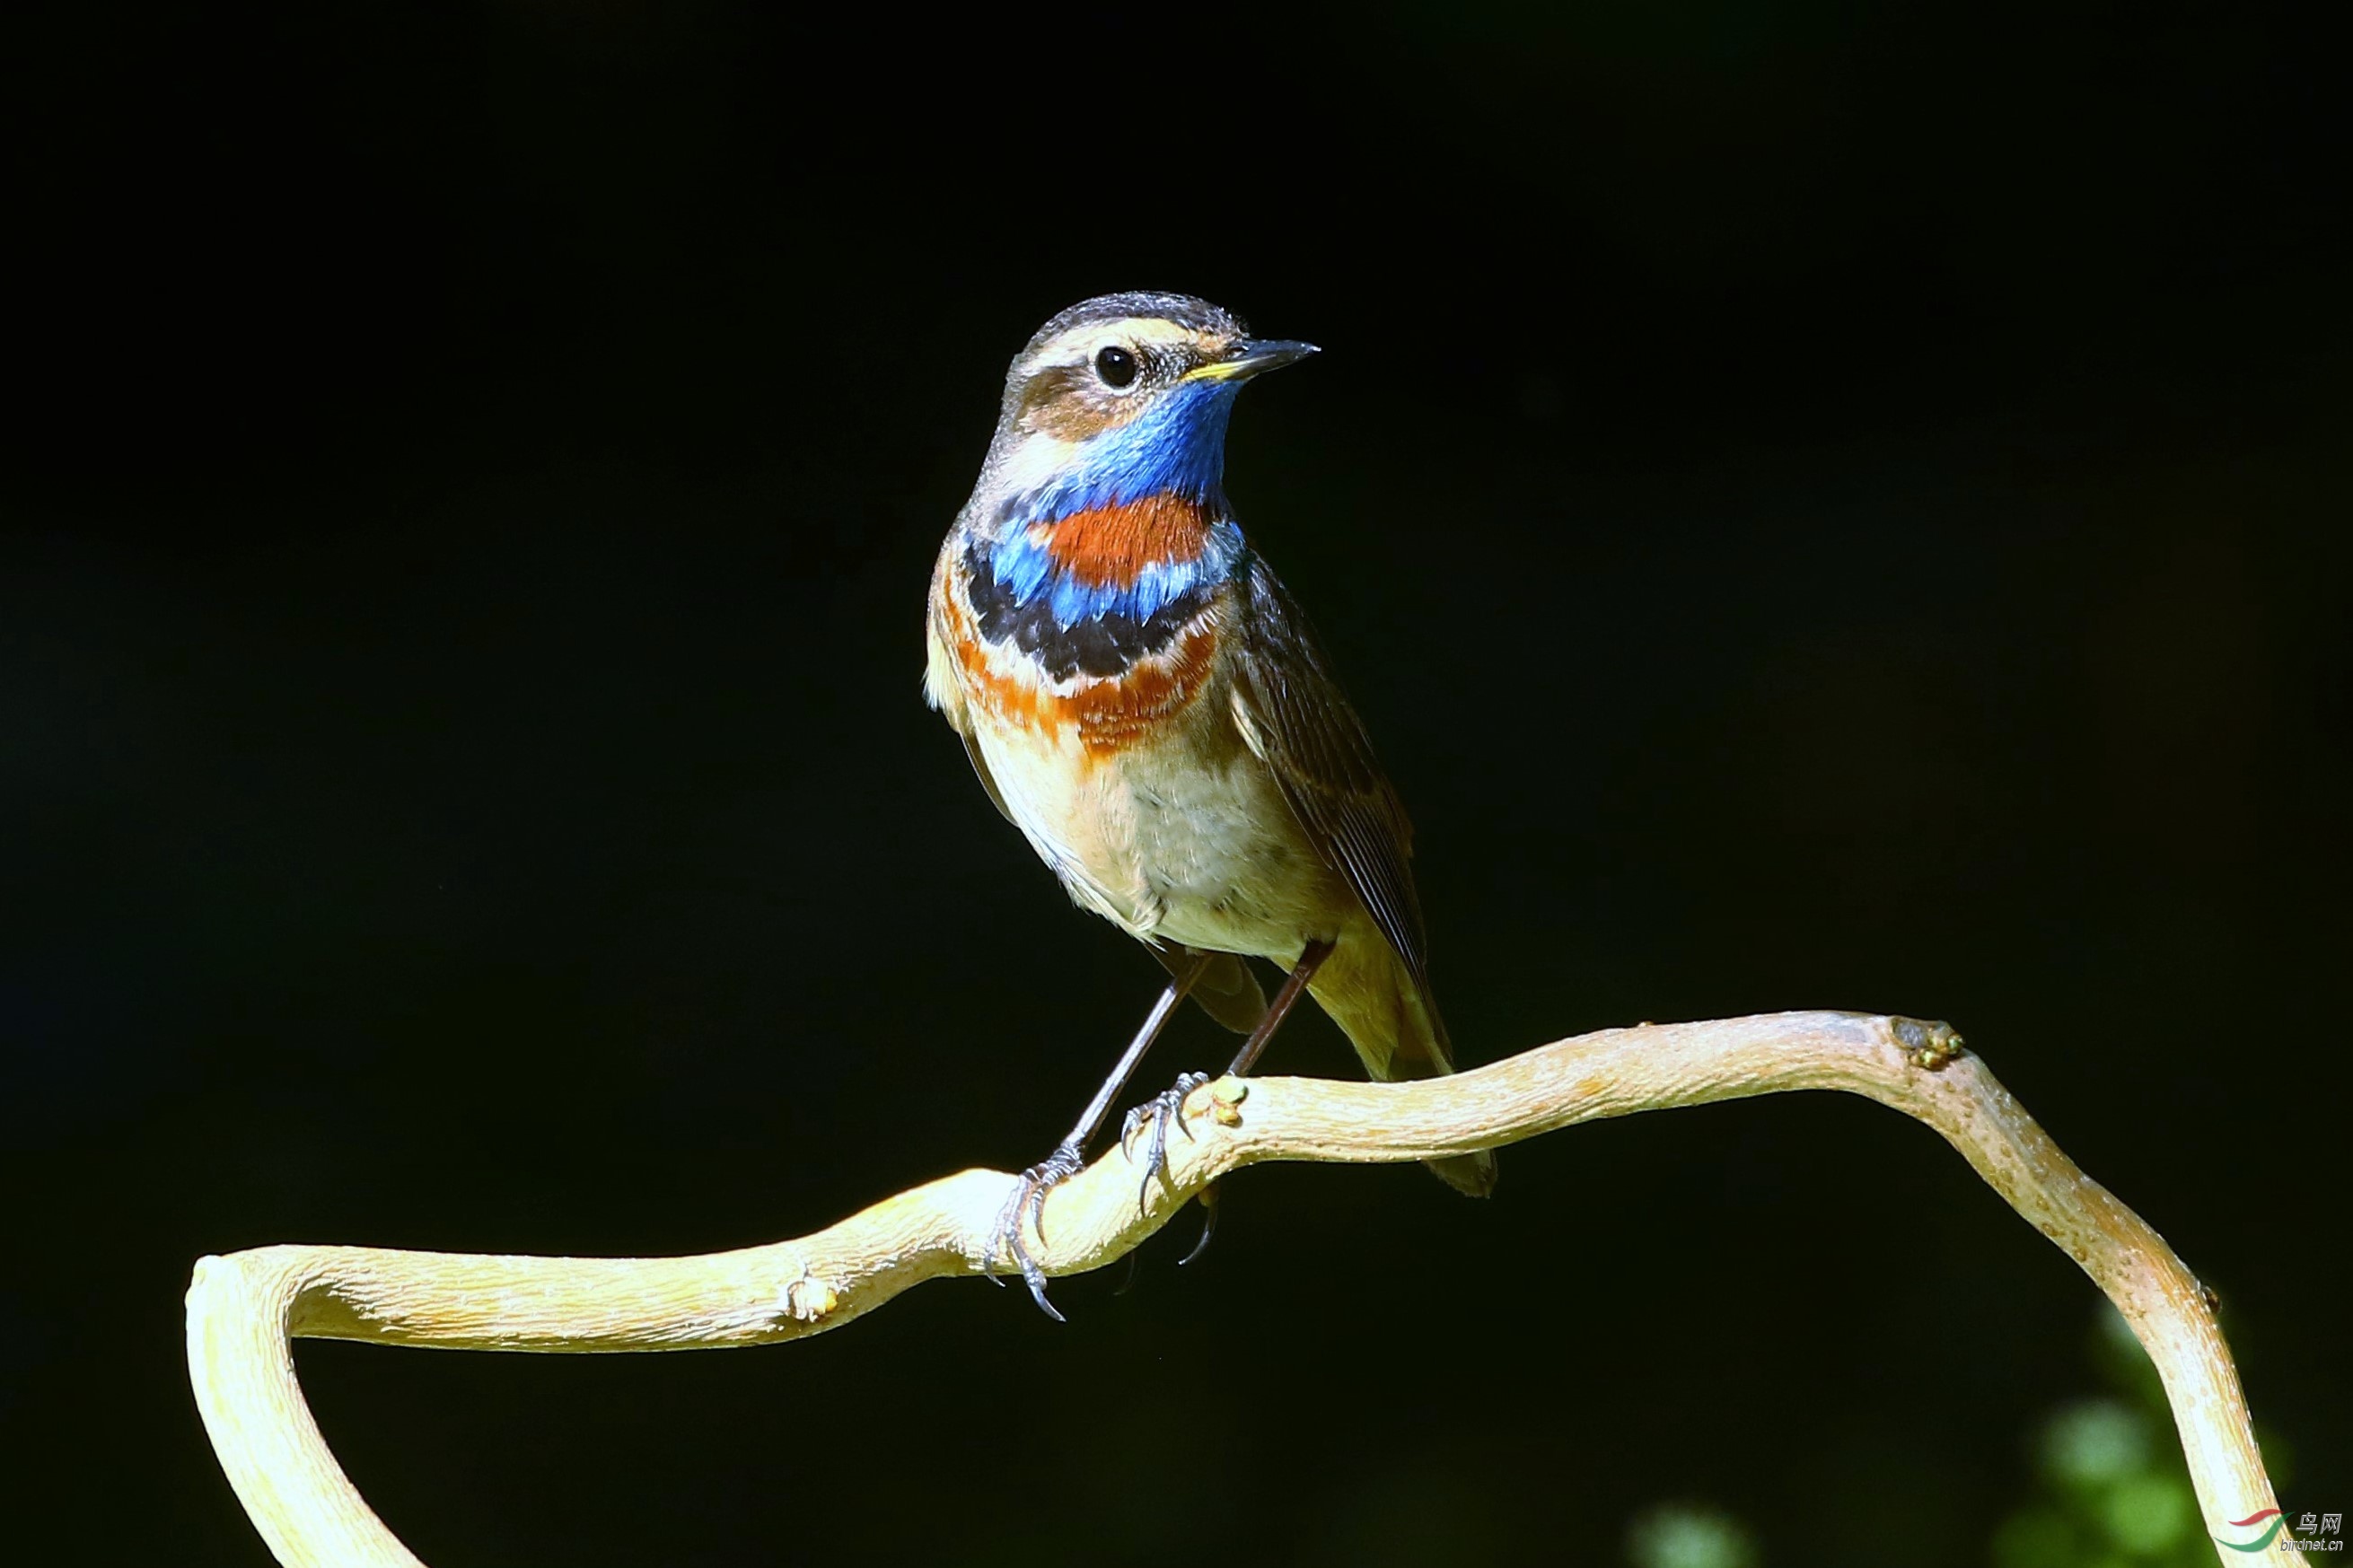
1029, 1200
1167, 1107
1310, 959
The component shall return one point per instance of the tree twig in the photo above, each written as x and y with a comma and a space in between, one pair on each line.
245, 1309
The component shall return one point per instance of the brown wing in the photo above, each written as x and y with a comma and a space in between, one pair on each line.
1292, 714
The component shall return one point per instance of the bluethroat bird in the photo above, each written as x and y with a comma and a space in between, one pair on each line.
1143, 699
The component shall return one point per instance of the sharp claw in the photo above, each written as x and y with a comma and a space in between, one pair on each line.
1134, 1269
1157, 1163
1158, 1113
1029, 1203
1185, 1085
1209, 1225
1038, 1294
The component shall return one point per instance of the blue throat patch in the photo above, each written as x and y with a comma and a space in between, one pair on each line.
1177, 447
1021, 594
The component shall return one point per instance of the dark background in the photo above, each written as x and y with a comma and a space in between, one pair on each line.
1822, 505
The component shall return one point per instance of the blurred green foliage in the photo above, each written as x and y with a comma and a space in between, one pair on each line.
1687, 1536
2111, 1488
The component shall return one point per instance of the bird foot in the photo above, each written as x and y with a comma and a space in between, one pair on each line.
1029, 1204
1162, 1111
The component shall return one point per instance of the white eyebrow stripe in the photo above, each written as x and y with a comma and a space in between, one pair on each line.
1080, 344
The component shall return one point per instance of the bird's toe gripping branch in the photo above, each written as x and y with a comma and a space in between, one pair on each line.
1006, 1246
1222, 1104
1162, 1111
244, 1310
1027, 1205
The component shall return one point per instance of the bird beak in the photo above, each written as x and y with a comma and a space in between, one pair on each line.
1250, 357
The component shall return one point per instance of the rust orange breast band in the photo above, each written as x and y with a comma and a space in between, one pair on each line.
1113, 546
1108, 714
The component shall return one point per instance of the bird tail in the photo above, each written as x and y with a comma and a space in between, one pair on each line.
1390, 1017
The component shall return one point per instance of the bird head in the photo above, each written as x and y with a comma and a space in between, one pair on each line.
1120, 399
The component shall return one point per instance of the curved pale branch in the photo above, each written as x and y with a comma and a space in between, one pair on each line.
243, 1310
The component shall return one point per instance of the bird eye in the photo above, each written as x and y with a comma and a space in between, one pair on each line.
1116, 365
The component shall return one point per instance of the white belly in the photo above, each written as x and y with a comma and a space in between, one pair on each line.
1186, 840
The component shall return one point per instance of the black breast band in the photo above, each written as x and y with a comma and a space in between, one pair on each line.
1101, 645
